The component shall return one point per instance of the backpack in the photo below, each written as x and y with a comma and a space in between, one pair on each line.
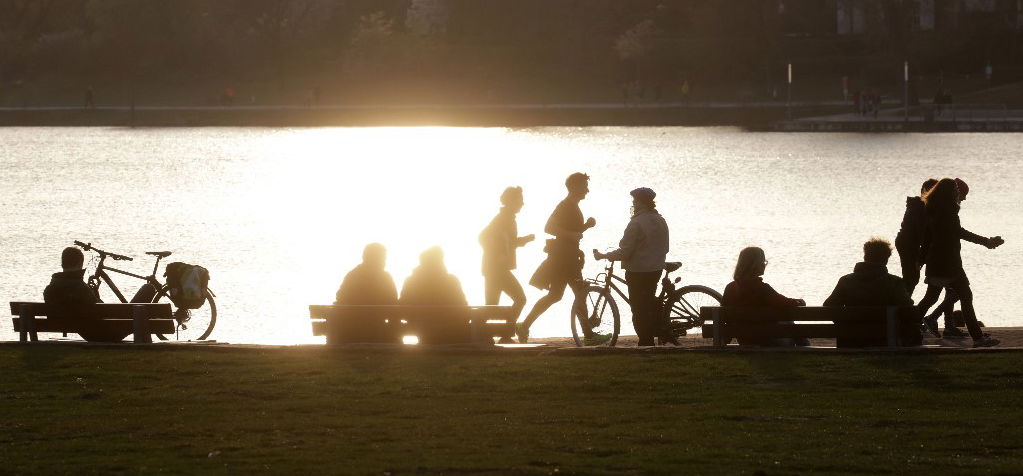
187, 284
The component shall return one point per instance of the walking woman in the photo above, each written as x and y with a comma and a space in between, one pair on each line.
944, 262
500, 241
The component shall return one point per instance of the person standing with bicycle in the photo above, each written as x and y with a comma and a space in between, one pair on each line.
642, 251
564, 264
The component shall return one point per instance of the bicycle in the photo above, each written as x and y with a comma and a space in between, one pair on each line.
679, 309
192, 324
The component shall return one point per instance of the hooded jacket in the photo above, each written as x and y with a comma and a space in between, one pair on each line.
869, 285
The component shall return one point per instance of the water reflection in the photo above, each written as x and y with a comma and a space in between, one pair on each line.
278, 216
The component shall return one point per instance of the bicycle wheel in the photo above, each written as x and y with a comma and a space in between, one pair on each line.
192, 324
595, 307
682, 309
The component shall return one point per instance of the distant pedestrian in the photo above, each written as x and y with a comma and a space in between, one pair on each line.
90, 100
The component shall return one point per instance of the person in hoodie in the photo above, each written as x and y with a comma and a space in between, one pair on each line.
911, 237
642, 250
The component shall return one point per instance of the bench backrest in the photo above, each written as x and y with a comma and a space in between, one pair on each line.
834, 314
853, 326
354, 319
96, 311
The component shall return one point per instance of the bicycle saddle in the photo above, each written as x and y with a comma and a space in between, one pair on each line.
159, 254
672, 266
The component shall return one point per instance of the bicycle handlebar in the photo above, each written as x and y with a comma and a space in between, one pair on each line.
113, 256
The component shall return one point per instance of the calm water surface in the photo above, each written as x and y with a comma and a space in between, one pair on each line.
278, 216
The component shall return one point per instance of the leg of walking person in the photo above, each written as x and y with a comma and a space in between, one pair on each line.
556, 292
930, 297
642, 294
962, 289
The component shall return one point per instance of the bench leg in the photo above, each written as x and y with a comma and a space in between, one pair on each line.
140, 326
718, 338
892, 326
28, 329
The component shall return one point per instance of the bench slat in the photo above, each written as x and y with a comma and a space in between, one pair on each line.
160, 326
98, 311
852, 326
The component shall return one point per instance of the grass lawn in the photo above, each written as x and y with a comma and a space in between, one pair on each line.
313, 410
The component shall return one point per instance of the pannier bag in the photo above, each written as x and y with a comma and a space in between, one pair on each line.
187, 284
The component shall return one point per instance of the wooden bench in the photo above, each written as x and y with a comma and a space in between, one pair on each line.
431, 324
102, 319
875, 326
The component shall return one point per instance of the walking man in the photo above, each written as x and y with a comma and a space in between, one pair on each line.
642, 251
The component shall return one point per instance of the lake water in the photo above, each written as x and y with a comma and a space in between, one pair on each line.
278, 216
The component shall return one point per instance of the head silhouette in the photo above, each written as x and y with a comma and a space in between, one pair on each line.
877, 250
512, 198
72, 259
374, 255
943, 197
928, 184
432, 258
751, 263
578, 185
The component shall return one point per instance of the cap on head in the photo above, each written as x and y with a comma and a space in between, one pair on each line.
643, 194
962, 187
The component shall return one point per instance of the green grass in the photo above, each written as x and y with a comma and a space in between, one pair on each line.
185, 410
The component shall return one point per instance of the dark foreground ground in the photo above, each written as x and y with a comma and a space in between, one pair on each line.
179, 409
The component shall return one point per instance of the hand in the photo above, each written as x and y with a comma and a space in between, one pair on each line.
598, 255
994, 242
528, 238
590, 222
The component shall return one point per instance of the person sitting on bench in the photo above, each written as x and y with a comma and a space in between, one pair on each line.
68, 288
870, 284
749, 289
431, 284
369, 284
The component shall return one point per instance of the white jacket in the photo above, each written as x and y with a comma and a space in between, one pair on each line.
644, 245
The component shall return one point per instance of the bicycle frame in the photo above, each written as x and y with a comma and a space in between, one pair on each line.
101, 274
608, 278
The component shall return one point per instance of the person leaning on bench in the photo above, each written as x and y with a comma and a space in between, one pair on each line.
749, 290
431, 285
369, 284
870, 284
68, 288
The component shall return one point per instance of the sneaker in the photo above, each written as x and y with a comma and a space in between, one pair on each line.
522, 332
596, 339
505, 340
986, 342
932, 326
953, 332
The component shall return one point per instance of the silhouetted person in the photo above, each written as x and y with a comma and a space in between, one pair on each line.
564, 264
368, 283
431, 284
749, 290
500, 241
642, 250
870, 284
944, 262
911, 236
68, 288
90, 102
